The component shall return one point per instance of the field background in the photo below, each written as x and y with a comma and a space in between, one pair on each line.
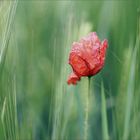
35, 101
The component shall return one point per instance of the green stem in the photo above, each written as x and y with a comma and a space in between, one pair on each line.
87, 111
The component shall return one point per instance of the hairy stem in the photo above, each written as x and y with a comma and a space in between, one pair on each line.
87, 111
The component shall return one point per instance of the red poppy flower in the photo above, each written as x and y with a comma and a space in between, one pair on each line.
87, 57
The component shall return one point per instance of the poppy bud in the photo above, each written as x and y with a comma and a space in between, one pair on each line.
87, 57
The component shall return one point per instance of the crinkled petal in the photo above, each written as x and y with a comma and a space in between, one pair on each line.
79, 65
103, 48
73, 78
99, 60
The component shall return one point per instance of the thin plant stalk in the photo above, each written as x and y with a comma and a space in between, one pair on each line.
86, 122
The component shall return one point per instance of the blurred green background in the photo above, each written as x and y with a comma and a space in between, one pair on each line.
35, 40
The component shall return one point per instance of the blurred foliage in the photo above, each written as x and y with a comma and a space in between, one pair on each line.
35, 100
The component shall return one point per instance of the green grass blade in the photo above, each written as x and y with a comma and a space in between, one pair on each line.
130, 95
105, 133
